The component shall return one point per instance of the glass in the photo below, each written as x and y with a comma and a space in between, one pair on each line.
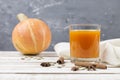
84, 42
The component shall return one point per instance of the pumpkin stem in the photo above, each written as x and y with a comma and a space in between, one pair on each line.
21, 17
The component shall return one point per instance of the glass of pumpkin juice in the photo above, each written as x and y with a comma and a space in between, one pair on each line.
84, 42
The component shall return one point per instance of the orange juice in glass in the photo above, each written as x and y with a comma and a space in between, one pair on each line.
84, 42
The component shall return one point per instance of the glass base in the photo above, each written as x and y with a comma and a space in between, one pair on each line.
85, 59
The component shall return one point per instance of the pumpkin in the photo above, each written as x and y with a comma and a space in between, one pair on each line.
31, 35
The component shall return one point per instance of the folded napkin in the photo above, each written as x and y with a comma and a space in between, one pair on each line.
109, 51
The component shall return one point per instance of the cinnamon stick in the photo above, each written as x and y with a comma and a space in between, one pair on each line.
60, 60
86, 64
83, 64
101, 66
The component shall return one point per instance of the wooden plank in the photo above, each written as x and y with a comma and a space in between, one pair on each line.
59, 77
18, 54
28, 59
27, 70
12, 63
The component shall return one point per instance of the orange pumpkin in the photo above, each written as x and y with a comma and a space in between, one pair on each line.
31, 36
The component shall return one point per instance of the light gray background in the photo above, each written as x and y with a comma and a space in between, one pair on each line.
58, 14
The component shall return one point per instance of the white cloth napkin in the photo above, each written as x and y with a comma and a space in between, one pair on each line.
109, 51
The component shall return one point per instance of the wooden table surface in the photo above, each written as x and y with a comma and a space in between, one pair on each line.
15, 66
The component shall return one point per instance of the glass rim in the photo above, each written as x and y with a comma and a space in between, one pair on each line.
72, 25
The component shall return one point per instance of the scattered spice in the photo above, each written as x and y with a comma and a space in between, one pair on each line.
26, 56
22, 58
31, 58
52, 63
60, 60
91, 67
45, 64
60, 66
75, 68
37, 58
